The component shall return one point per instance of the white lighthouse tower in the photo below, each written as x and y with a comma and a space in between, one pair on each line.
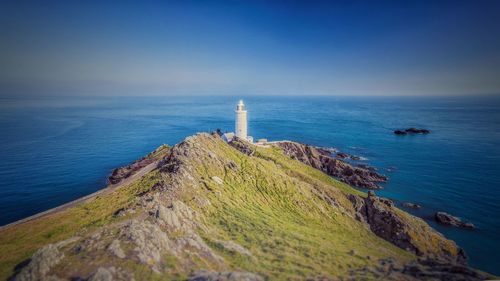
241, 121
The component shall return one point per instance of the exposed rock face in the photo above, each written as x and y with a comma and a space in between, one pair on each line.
321, 160
447, 219
149, 242
399, 228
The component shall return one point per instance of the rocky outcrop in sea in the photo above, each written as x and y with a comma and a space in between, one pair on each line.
447, 219
411, 131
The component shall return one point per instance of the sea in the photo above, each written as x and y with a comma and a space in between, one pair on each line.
57, 149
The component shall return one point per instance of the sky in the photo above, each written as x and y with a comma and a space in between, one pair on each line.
249, 47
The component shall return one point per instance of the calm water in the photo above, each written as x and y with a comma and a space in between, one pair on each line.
55, 150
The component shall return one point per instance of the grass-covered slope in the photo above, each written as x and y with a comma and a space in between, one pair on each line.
210, 207
281, 211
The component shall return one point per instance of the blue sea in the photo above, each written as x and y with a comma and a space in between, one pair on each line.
54, 150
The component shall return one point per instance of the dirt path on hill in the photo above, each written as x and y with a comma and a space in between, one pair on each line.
103, 191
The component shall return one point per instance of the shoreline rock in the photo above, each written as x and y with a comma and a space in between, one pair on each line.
447, 219
398, 227
322, 160
411, 205
367, 167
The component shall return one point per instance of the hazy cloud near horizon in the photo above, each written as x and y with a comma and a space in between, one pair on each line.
290, 47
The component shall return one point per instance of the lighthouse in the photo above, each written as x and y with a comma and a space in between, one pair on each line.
241, 121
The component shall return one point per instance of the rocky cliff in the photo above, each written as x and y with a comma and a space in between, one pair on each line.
321, 159
213, 211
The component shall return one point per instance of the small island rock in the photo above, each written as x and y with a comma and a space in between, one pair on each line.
417, 131
411, 131
447, 219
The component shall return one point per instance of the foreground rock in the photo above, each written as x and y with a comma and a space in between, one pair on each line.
447, 219
321, 160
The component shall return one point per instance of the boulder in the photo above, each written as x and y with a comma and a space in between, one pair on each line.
217, 180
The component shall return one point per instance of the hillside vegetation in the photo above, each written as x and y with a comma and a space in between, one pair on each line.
212, 211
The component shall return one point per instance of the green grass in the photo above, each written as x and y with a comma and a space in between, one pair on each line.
275, 208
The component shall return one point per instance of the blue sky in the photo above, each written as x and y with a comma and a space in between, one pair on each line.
249, 47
